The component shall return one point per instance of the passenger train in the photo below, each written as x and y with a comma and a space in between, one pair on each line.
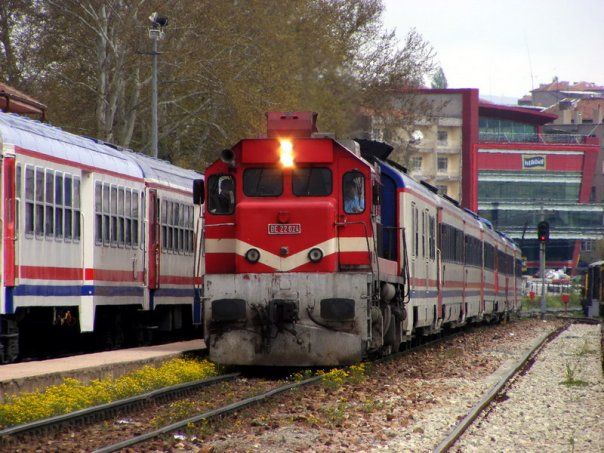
94, 239
321, 253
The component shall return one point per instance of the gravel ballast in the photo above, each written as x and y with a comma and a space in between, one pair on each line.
408, 404
558, 405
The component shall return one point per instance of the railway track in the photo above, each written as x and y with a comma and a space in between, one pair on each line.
15, 434
489, 398
116, 440
103, 411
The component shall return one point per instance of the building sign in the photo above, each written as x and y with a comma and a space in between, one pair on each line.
533, 162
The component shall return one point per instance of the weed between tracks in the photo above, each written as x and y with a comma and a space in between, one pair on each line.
570, 379
73, 395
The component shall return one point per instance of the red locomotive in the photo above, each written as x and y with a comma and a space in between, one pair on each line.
322, 252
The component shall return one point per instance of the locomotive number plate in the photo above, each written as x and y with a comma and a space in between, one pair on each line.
284, 228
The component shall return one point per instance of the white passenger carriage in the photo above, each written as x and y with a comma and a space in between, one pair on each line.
75, 222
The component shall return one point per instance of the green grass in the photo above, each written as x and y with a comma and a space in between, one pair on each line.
552, 301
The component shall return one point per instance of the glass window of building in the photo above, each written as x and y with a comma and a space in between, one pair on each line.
442, 138
416, 163
442, 189
443, 164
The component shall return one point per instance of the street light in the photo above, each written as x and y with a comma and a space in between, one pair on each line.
156, 33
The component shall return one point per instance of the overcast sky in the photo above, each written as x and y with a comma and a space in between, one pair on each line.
495, 45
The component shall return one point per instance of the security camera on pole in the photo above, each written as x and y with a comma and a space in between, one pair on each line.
155, 33
543, 236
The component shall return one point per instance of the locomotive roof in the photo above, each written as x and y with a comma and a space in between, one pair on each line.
45, 139
164, 172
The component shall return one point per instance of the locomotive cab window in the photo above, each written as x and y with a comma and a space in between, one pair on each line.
262, 182
353, 189
311, 182
221, 194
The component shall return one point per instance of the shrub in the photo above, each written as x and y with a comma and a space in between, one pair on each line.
72, 395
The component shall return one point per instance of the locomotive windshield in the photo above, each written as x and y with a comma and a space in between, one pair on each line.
311, 182
262, 182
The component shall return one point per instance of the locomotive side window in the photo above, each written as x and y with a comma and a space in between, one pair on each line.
221, 194
311, 182
353, 188
262, 182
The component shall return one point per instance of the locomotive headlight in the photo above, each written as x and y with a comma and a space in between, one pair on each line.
286, 150
315, 255
252, 255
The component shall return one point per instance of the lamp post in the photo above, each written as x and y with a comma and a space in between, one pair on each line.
155, 33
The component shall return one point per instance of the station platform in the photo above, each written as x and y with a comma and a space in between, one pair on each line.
29, 376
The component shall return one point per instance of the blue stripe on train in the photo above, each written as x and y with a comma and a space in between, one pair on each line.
77, 290
96, 290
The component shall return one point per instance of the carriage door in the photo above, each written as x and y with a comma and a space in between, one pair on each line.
389, 231
153, 263
8, 222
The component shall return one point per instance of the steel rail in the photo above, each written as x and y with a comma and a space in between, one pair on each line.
487, 398
233, 407
98, 411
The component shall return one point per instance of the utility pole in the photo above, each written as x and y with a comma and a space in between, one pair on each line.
155, 33
543, 236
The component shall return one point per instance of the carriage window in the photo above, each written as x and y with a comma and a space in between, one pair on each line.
76, 206
432, 238
415, 232
135, 202
39, 216
221, 194
106, 230
309, 182
128, 215
262, 182
121, 222
68, 205
29, 200
49, 217
59, 205
354, 192
98, 209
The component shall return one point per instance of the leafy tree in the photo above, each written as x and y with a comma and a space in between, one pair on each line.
223, 64
439, 80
